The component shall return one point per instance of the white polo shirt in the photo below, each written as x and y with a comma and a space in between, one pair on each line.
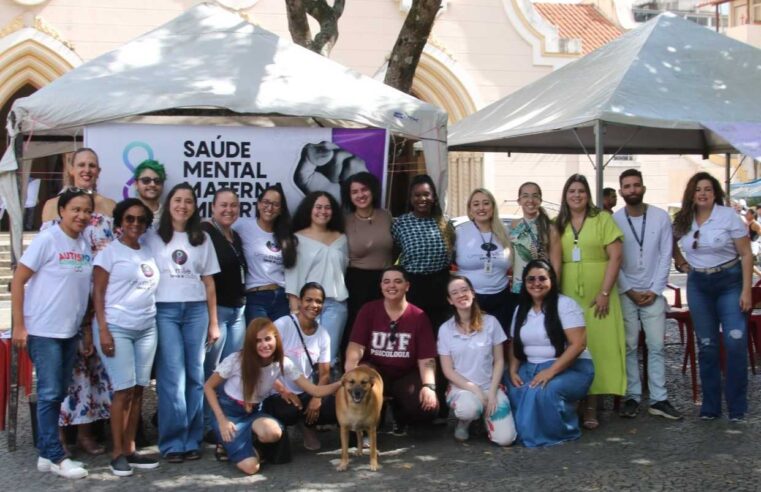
716, 239
536, 343
472, 354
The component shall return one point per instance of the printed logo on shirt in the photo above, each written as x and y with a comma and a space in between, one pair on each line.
273, 246
147, 270
179, 256
381, 345
74, 260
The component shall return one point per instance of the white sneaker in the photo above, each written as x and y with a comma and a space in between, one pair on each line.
67, 469
461, 430
43, 464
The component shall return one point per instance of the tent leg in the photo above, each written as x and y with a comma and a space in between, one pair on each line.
727, 176
599, 164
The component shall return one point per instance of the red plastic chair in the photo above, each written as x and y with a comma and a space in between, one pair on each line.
681, 315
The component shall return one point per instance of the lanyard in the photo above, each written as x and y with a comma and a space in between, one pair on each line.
490, 246
238, 254
534, 239
640, 240
576, 233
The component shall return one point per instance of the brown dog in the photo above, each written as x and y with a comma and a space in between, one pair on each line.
358, 408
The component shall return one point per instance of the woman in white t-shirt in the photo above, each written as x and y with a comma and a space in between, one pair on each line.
550, 367
186, 316
307, 344
56, 269
470, 351
247, 377
269, 247
322, 255
482, 254
125, 279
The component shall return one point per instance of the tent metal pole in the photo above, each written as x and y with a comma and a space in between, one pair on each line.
727, 176
600, 165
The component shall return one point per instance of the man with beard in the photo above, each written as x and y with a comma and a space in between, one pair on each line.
644, 273
149, 183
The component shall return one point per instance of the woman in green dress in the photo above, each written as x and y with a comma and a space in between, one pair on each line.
592, 252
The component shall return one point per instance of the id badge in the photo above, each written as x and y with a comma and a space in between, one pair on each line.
576, 254
641, 262
487, 266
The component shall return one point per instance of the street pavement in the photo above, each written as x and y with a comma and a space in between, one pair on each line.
646, 453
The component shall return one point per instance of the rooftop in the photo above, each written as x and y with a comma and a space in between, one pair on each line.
578, 21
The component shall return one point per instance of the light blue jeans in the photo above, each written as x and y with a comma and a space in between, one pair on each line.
53, 360
714, 300
132, 360
333, 319
232, 332
653, 322
183, 327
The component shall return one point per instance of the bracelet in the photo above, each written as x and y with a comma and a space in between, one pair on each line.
430, 386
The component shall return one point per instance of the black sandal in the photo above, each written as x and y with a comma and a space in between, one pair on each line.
220, 454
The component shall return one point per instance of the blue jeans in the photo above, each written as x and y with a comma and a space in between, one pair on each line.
652, 319
242, 445
714, 300
333, 319
53, 360
272, 304
232, 332
183, 327
130, 364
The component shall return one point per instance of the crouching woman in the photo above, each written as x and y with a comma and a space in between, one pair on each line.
550, 368
247, 378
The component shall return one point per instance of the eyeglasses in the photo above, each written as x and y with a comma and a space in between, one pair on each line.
146, 180
695, 236
76, 189
536, 278
140, 219
392, 328
269, 204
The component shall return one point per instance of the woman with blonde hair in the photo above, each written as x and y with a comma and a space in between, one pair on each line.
482, 254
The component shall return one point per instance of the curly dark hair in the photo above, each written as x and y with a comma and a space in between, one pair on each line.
125, 205
303, 216
366, 179
683, 218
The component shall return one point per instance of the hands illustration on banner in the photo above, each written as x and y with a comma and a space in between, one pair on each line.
324, 166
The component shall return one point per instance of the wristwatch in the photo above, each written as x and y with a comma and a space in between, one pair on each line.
430, 386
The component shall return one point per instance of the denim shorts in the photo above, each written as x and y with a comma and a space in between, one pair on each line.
133, 355
242, 445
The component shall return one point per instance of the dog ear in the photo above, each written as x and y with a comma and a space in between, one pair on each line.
372, 381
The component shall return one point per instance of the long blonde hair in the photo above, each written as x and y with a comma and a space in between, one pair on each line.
497, 228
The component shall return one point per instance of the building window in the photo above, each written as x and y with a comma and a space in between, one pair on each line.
755, 11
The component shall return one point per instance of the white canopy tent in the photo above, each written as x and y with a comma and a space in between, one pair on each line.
654, 90
206, 66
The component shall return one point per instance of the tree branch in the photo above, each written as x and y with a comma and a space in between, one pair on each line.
297, 22
326, 16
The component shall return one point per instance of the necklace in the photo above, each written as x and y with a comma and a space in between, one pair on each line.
369, 218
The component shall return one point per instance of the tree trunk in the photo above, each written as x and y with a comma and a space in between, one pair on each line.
410, 43
326, 16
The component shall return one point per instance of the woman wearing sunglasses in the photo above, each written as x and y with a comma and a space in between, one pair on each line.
149, 184
550, 368
715, 253
125, 279
89, 397
395, 338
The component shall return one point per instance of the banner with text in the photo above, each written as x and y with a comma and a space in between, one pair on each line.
246, 159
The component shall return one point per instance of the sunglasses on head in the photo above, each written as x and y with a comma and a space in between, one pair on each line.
140, 219
695, 236
76, 189
392, 328
146, 180
536, 278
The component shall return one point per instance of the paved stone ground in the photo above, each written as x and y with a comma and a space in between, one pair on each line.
648, 453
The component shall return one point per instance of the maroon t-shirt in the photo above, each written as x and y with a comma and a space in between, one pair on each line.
414, 338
